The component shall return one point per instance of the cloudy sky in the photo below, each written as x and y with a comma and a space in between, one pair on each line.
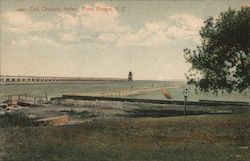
102, 38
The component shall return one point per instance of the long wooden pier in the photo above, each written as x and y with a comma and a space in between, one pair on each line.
10, 79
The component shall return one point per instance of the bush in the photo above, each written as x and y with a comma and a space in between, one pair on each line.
15, 119
82, 114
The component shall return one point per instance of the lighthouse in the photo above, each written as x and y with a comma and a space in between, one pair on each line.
130, 76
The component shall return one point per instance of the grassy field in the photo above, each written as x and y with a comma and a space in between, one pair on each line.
190, 138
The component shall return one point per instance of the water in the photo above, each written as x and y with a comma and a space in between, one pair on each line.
58, 89
174, 87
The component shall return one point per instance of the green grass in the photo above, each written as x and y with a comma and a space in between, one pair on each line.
189, 151
199, 138
79, 115
15, 119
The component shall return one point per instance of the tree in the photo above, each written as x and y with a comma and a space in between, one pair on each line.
222, 61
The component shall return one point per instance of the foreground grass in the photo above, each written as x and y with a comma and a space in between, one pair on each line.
192, 138
18, 119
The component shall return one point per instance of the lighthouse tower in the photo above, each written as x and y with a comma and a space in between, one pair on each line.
130, 76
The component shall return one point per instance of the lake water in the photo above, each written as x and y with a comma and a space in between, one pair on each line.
174, 87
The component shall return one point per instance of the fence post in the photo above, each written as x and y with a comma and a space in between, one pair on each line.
26, 98
34, 100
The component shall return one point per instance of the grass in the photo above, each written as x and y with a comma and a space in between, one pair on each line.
199, 138
15, 119
81, 114
160, 113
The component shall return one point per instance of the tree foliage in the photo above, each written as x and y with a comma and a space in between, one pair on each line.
222, 61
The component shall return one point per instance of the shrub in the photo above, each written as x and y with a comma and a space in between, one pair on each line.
15, 119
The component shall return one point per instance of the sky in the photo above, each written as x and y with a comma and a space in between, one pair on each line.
103, 38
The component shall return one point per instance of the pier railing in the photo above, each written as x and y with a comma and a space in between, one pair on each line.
9, 79
24, 99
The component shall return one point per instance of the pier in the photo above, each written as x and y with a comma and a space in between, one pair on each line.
24, 100
10, 79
